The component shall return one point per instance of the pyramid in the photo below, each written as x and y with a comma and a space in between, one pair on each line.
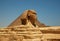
19, 20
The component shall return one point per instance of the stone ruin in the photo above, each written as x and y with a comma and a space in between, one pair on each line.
26, 29
24, 17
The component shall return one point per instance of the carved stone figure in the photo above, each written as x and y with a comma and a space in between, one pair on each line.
29, 17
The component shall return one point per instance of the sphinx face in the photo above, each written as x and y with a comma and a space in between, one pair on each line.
32, 16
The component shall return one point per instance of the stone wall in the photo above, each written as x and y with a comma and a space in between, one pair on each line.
19, 34
29, 34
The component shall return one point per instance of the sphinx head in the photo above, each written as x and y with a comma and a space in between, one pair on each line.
32, 16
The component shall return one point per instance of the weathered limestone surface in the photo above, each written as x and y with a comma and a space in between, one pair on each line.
27, 28
19, 34
29, 34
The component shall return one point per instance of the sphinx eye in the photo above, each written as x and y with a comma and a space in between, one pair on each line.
34, 13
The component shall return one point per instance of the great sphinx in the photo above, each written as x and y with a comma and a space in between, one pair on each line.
29, 17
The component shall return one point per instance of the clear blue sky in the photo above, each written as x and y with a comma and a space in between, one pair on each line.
48, 11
